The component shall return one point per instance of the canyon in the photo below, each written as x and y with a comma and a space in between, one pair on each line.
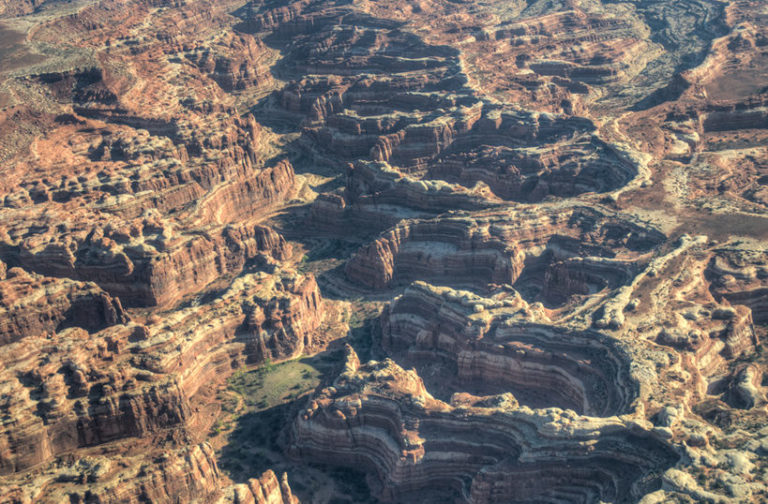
271, 252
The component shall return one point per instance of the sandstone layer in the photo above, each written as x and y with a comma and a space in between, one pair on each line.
477, 449
387, 251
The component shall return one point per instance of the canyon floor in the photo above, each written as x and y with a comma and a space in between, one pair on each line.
363, 251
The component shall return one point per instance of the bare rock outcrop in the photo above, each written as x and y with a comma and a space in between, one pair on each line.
379, 416
458, 341
129, 380
281, 321
189, 473
267, 489
740, 275
149, 263
566, 199
235, 61
565, 251
33, 305
69, 401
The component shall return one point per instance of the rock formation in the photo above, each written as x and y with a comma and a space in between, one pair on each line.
741, 277
462, 342
189, 473
130, 380
390, 251
475, 449
33, 305
150, 265
570, 250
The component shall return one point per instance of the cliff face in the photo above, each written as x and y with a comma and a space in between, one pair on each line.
741, 277
438, 249
557, 254
266, 489
128, 380
32, 305
463, 343
190, 474
476, 449
150, 262
236, 61
406, 112
68, 401
146, 198
282, 324
541, 225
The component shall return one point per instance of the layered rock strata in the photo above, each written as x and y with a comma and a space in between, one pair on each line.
190, 474
150, 263
564, 251
475, 449
740, 275
422, 143
131, 380
461, 342
33, 305
593, 171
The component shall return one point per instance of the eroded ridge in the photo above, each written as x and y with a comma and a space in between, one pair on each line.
406, 114
740, 275
66, 303
460, 342
553, 211
475, 449
143, 382
550, 253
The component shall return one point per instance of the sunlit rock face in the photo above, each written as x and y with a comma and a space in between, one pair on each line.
275, 251
128, 380
555, 253
474, 448
465, 343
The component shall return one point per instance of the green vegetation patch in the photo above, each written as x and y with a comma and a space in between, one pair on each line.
273, 384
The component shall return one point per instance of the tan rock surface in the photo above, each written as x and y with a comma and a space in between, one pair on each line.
388, 251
